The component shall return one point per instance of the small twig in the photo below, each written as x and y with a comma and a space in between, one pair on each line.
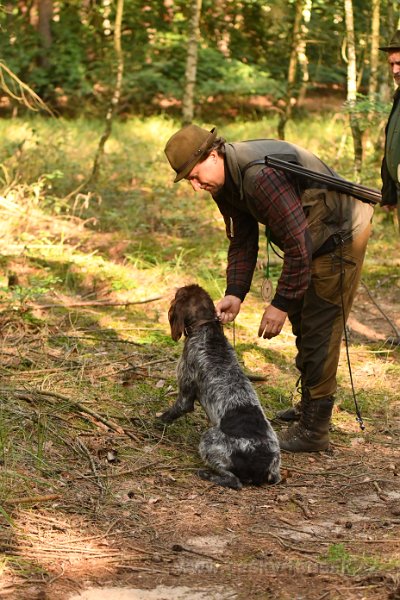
139, 569
33, 499
159, 463
295, 529
255, 377
374, 302
363, 541
179, 548
105, 338
301, 505
85, 449
365, 481
290, 547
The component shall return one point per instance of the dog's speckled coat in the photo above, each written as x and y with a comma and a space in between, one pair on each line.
241, 446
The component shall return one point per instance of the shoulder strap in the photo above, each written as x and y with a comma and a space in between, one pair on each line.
259, 161
263, 161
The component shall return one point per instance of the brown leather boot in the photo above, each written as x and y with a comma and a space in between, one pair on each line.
289, 414
293, 412
311, 433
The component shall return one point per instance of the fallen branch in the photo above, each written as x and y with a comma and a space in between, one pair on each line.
78, 407
94, 303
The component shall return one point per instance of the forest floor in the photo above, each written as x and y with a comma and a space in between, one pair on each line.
98, 502
101, 503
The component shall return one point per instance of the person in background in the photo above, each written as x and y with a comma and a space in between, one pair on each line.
390, 170
323, 236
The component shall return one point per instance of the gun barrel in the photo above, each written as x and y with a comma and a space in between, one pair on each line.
361, 192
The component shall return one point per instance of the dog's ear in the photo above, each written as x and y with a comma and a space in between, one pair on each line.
176, 320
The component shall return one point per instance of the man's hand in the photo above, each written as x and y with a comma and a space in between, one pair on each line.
228, 308
272, 322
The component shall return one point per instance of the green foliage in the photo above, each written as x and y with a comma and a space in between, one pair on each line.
368, 112
18, 296
244, 50
217, 75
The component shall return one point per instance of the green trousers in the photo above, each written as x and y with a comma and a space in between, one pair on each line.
318, 323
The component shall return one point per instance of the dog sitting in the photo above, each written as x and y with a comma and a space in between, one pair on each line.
241, 446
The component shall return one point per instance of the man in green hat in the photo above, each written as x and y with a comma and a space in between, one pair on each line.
391, 160
323, 236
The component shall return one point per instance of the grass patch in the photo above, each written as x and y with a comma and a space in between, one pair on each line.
347, 563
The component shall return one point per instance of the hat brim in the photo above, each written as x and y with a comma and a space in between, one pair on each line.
199, 155
390, 48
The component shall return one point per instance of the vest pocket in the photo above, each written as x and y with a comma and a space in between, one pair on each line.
332, 275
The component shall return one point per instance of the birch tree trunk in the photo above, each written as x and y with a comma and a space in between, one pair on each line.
117, 91
221, 33
303, 60
352, 87
374, 56
297, 57
191, 63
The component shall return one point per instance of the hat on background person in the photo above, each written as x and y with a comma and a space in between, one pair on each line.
394, 43
186, 148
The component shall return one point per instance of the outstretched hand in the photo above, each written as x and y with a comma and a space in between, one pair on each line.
272, 322
228, 308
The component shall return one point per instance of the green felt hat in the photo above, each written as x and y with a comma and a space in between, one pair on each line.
394, 43
186, 147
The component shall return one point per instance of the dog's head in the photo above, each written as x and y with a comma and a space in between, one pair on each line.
191, 305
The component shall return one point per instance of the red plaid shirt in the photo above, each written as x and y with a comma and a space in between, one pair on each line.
275, 203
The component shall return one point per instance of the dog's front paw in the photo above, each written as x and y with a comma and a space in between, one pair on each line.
227, 480
166, 417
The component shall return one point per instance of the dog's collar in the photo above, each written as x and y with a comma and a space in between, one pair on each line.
190, 329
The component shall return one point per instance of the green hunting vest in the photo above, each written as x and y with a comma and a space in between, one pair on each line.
327, 212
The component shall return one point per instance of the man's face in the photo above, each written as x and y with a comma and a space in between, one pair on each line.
208, 175
394, 63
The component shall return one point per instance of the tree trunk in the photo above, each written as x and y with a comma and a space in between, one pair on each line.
45, 14
393, 15
191, 63
303, 60
352, 87
117, 91
221, 33
374, 56
297, 56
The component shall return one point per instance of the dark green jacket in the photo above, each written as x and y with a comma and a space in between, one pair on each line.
390, 188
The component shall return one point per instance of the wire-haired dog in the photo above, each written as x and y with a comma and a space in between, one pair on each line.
241, 446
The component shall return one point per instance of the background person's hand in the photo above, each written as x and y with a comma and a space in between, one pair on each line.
228, 308
272, 322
